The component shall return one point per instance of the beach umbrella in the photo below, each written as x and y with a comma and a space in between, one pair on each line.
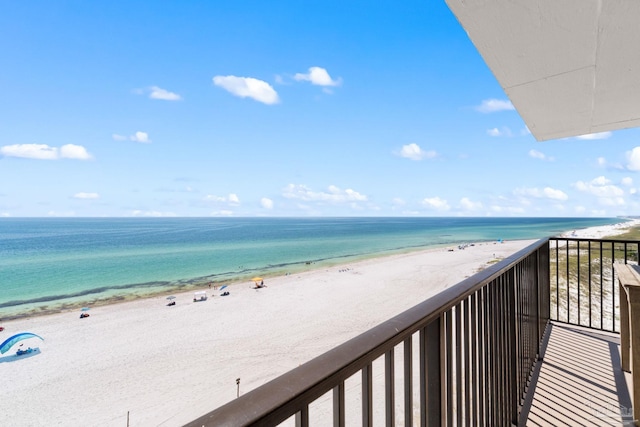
171, 297
256, 279
223, 287
84, 309
11, 341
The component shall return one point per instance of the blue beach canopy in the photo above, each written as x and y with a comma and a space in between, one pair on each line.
223, 287
11, 341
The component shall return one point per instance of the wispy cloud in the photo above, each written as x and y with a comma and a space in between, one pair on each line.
503, 131
232, 199
142, 137
332, 195
45, 152
607, 193
318, 76
85, 196
436, 203
494, 105
248, 87
633, 159
467, 204
139, 136
540, 156
545, 193
152, 213
600, 135
414, 152
266, 203
156, 92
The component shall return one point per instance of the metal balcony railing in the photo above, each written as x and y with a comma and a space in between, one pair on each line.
463, 357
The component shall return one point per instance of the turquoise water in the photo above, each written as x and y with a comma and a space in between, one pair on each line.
50, 263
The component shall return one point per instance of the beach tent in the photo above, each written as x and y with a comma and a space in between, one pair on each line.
200, 296
11, 341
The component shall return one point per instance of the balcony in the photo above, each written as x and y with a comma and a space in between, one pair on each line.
533, 340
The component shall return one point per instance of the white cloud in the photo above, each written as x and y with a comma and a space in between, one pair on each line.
628, 181
5, 214
600, 135
513, 210
152, 213
332, 195
232, 199
633, 159
86, 196
414, 152
248, 87
504, 131
142, 137
397, 201
222, 213
468, 205
266, 203
436, 203
317, 76
539, 155
600, 187
156, 92
545, 193
45, 152
493, 105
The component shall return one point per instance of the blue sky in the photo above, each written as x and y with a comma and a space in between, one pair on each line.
279, 108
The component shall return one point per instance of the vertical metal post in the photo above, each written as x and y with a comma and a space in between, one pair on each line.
408, 381
458, 355
390, 382
367, 396
433, 353
589, 262
474, 359
338, 405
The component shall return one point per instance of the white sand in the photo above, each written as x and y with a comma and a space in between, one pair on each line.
169, 365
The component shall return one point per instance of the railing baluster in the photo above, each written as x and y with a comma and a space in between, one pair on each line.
467, 362
568, 285
601, 289
434, 357
458, 357
338, 405
589, 265
302, 417
367, 396
390, 382
448, 395
474, 359
408, 381
578, 268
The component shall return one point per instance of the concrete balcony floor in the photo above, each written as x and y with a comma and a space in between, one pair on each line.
579, 381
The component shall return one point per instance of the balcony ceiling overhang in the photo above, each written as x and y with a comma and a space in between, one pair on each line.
570, 67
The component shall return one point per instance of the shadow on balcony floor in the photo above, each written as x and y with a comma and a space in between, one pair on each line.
579, 382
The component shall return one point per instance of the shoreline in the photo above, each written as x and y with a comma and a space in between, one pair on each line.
184, 286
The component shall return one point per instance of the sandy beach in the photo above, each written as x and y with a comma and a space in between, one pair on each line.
166, 366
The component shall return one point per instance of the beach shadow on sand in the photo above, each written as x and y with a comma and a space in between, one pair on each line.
15, 357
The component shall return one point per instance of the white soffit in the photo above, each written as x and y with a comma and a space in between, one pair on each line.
570, 67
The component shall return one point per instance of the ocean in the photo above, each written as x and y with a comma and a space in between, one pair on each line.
50, 264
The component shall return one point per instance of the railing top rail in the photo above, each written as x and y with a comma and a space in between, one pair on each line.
265, 405
587, 239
